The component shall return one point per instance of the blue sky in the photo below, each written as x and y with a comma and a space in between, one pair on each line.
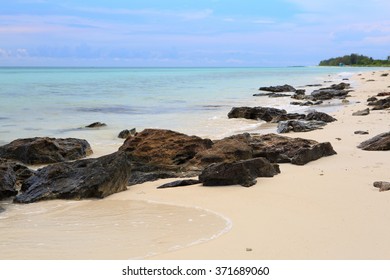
190, 33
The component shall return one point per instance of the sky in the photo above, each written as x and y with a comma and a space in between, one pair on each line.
171, 33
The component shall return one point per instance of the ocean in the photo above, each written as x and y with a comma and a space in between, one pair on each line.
60, 102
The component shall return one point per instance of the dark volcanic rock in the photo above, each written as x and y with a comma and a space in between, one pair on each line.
289, 116
96, 125
275, 95
299, 126
12, 175
319, 116
383, 94
179, 183
126, 133
42, 150
372, 99
326, 94
364, 112
256, 113
284, 88
7, 181
380, 142
88, 178
383, 186
238, 173
229, 149
158, 153
282, 149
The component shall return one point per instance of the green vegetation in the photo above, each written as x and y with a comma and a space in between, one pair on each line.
355, 60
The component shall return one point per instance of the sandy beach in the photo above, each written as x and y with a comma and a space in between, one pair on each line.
326, 209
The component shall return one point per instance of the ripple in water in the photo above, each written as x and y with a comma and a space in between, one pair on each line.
102, 229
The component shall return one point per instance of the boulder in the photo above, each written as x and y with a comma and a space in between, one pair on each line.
88, 178
282, 149
372, 99
319, 116
229, 149
383, 186
12, 175
179, 183
43, 150
95, 125
380, 142
126, 133
384, 94
284, 88
364, 112
256, 113
242, 173
299, 126
159, 153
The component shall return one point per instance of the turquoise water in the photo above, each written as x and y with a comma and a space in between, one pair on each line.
57, 102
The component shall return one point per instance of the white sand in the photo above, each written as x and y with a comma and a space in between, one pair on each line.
327, 209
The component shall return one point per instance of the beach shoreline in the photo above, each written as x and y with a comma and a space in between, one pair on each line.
327, 209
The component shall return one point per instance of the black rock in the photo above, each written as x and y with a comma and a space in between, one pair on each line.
380, 142
299, 126
364, 112
361, 132
242, 173
319, 116
284, 88
7, 181
308, 154
372, 99
42, 150
95, 125
126, 133
88, 178
256, 113
179, 183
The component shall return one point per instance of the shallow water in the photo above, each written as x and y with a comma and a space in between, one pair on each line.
102, 229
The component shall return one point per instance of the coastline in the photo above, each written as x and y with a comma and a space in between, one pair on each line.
327, 209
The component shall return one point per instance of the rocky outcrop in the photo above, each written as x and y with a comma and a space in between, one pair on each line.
88, 178
319, 116
159, 153
43, 150
282, 149
96, 125
242, 173
335, 91
126, 133
380, 142
284, 88
12, 175
299, 126
380, 104
256, 113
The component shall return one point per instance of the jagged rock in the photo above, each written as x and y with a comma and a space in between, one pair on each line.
7, 181
300, 92
299, 126
42, 150
381, 94
340, 86
126, 133
289, 116
364, 112
88, 178
361, 132
383, 186
282, 149
159, 153
95, 125
179, 183
238, 173
284, 88
319, 116
229, 149
12, 175
380, 142
372, 99
256, 113
326, 94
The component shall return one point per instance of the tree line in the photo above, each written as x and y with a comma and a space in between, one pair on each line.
355, 60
